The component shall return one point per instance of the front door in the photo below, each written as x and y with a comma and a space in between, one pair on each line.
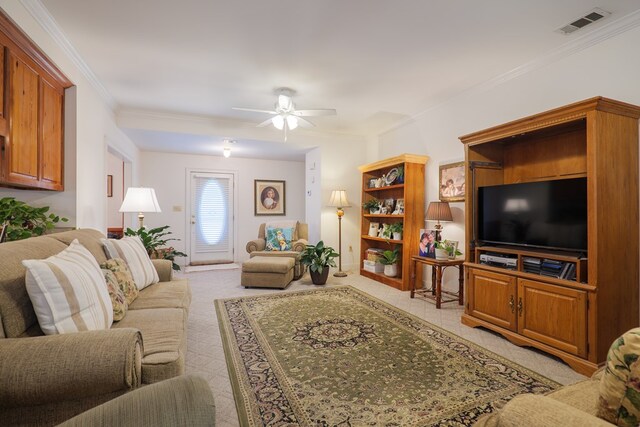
211, 218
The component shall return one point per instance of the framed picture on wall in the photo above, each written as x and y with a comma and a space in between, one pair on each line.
452, 182
109, 185
269, 197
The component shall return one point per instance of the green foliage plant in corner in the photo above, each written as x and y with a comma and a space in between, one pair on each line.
318, 257
155, 243
24, 221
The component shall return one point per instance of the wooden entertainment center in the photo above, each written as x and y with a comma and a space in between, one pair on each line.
575, 320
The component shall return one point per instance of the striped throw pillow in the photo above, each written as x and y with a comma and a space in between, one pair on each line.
68, 292
135, 255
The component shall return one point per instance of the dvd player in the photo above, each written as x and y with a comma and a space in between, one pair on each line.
498, 260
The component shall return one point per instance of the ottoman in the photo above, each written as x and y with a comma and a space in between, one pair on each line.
267, 272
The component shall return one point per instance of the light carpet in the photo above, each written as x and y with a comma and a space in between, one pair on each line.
338, 356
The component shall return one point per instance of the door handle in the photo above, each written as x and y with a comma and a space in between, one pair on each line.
520, 306
512, 304
193, 222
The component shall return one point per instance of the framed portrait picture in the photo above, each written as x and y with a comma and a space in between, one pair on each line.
427, 243
109, 185
269, 197
452, 182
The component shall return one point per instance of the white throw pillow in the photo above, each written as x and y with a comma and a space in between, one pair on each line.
135, 255
68, 292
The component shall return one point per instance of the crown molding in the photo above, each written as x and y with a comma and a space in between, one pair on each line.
40, 13
578, 44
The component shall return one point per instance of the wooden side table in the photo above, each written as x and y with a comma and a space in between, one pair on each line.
437, 268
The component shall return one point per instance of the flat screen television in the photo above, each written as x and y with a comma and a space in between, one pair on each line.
545, 214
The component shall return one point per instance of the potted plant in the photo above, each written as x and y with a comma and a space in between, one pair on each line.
447, 249
23, 221
396, 230
318, 258
390, 260
156, 245
373, 205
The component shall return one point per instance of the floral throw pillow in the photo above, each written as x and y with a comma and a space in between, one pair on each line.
120, 270
118, 300
619, 401
279, 239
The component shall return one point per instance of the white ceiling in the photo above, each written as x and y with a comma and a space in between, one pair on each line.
376, 61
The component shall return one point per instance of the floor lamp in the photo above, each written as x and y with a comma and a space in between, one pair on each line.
139, 199
339, 200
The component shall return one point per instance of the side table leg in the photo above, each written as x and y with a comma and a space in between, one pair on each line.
460, 284
438, 286
433, 280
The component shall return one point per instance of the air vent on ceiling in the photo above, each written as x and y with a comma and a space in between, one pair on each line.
588, 18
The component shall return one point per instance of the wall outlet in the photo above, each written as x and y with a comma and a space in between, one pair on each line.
177, 208
350, 248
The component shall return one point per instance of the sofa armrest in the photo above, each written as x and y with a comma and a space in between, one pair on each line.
164, 267
538, 411
299, 245
54, 368
181, 401
256, 245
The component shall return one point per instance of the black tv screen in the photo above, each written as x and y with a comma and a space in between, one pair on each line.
546, 214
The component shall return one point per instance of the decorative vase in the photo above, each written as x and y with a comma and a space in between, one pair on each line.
397, 236
442, 254
319, 278
391, 270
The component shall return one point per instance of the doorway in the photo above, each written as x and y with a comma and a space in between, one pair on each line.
211, 218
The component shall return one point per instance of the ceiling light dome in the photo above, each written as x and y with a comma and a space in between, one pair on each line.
278, 122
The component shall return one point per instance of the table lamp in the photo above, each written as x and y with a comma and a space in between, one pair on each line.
339, 200
140, 199
439, 211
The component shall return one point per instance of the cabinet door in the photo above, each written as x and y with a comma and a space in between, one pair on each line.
491, 297
22, 148
553, 315
51, 139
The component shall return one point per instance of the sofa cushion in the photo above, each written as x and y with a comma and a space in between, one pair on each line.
174, 294
87, 237
118, 300
279, 239
582, 395
619, 401
122, 274
258, 264
68, 292
164, 340
133, 252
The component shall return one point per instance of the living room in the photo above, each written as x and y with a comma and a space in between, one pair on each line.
501, 73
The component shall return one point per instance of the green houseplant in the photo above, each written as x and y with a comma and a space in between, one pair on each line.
23, 221
155, 243
318, 258
395, 230
373, 205
449, 249
389, 259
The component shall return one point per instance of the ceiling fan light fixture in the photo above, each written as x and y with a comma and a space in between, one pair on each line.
292, 122
278, 122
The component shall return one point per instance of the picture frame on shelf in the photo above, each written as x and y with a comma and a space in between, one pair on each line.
427, 243
452, 182
399, 209
389, 204
451, 246
269, 197
373, 229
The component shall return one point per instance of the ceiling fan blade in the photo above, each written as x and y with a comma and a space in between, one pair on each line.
265, 123
318, 112
254, 110
305, 123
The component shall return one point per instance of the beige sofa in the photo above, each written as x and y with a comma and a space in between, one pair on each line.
257, 247
48, 379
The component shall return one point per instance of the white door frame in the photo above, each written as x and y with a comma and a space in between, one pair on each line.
187, 195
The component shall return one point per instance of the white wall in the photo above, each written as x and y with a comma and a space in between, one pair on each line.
167, 172
610, 68
115, 169
313, 196
89, 121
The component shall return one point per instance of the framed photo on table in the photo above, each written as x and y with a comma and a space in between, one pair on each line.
427, 243
452, 181
269, 197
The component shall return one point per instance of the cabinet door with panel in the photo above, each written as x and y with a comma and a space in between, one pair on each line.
51, 138
491, 297
22, 151
553, 315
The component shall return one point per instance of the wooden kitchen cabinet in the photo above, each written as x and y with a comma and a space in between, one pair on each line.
492, 297
32, 116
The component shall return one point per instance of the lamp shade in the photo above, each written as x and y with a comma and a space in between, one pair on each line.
140, 199
439, 211
338, 199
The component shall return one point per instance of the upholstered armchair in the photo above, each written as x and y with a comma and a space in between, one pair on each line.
258, 247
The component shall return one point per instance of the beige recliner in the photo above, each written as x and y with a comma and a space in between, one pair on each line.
257, 247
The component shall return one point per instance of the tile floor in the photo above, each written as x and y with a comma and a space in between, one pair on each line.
205, 356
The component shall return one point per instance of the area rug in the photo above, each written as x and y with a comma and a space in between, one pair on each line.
339, 357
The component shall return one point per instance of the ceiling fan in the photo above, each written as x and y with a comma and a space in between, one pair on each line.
285, 116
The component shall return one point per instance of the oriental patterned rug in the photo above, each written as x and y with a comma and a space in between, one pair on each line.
339, 357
